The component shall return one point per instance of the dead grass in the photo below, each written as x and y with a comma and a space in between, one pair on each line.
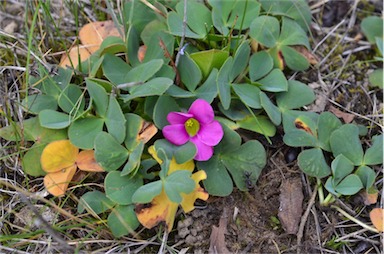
339, 80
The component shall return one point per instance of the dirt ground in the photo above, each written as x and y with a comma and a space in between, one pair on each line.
250, 222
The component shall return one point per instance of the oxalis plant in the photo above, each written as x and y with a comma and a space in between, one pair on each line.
161, 128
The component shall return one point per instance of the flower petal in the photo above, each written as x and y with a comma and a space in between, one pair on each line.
211, 134
176, 134
204, 152
178, 118
202, 111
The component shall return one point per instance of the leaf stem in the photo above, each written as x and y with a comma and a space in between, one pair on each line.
350, 217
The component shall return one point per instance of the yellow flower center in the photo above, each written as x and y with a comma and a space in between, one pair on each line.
192, 126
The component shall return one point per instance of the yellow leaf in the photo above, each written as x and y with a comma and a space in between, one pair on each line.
92, 34
160, 209
86, 161
376, 216
57, 182
198, 193
189, 165
58, 155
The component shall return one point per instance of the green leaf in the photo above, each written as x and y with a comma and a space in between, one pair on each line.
115, 69
189, 72
83, 131
31, 131
147, 192
299, 138
134, 160
99, 97
327, 123
260, 64
218, 182
341, 167
209, 59
31, 160
292, 34
223, 83
178, 92
115, 120
156, 86
108, 152
230, 142
185, 153
178, 182
367, 176
133, 45
275, 81
345, 140
112, 45
155, 51
295, 9
164, 105
376, 78
249, 158
134, 124
330, 186
261, 125
237, 110
198, 23
119, 188
350, 185
294, 60
248, 94
122, 220
313, 163
233, 14
71, 100
372, 27
139, 14
240, 60
374, 154
37, 102
265, 30
152, 28
288, 100
208, 90
144, 71
272, 111
96, 201
54, 120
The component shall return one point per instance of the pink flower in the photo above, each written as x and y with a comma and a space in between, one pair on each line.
197, 126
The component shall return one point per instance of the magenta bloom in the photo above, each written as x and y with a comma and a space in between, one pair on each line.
197, 126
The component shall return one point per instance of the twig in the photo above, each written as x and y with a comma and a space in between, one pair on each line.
304, 220
163, 241
183, 35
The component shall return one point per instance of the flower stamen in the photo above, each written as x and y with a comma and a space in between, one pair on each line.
192, 126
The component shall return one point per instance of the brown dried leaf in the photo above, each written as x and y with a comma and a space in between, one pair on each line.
73, 56
148, 130
291, 205
377, 215
369, 198
92, 34
347, 117
86, 161
217, 238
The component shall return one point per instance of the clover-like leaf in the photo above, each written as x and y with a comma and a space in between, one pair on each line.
313, 163
57, 182
265, 30
377, 218
58, 155
209, 59
122, 220
178, 182
341, 167
345, 140
86, 161
96, 201
374, 154
288, 100
350, 185
120, 188
367, 176
260, 64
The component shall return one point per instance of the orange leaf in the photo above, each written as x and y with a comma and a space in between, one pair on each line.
92, 35
369, 198
73, 56
86, 161
57, 182
160, 209
58, 155
198, 193
303, 126
376, 216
